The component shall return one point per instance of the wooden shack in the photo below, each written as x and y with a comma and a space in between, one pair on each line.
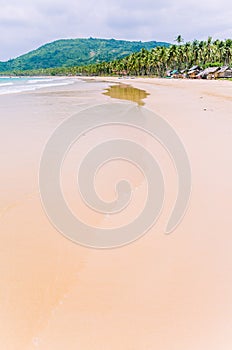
208, 73
193, 72
224, 72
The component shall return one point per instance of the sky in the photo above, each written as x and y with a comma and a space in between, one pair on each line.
28, 24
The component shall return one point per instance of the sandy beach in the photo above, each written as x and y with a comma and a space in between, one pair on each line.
161, 292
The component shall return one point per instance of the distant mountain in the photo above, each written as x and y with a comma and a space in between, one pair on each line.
76, 52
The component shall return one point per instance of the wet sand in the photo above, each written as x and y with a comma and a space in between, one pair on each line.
161, 292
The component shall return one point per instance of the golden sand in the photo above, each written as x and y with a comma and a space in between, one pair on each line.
159, 293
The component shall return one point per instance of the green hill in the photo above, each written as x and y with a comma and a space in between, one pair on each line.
76, 52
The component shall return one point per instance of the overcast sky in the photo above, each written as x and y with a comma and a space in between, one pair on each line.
27, 24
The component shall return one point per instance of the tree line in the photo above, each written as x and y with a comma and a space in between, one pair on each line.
154, 62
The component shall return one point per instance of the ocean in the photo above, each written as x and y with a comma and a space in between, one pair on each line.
11, 85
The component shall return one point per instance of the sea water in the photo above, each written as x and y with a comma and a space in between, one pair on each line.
10, 85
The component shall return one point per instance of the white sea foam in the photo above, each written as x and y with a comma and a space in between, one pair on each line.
17, 85
5, 84
35, 81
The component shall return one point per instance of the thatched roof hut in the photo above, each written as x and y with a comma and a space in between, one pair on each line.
224, 72
193, 72
194, 68
208, 73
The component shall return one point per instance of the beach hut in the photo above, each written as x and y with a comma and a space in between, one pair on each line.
175, 74
224, 72
194, 68
193, 72
208, 73
183, 73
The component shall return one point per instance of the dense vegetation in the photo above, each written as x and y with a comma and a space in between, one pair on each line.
76, 52
154, 62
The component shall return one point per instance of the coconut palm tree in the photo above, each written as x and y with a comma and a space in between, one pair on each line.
179, 39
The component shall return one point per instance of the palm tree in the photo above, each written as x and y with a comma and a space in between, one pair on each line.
179, 39
155, 62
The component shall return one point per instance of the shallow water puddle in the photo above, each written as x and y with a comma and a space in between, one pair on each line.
127, 92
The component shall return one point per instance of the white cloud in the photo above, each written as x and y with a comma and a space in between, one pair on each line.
27, 24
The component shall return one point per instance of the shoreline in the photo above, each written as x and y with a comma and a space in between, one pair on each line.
136, 82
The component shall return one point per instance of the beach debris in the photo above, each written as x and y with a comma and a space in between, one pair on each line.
36, 341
